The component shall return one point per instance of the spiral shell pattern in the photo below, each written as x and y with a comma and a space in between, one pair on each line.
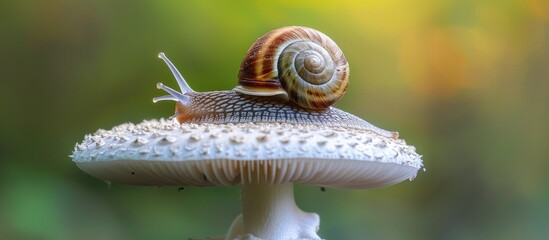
297, 63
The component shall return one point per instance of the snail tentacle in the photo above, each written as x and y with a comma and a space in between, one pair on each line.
165, 98
175, 95
185, 88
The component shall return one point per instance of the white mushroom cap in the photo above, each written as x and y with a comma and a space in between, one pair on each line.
162, 152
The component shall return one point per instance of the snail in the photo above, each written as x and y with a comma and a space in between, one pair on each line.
292, 74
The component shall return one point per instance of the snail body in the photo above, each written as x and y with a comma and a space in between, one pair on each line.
292, 75
232, 107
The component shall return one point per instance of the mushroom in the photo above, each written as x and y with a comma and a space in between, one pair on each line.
225, 138
266, 158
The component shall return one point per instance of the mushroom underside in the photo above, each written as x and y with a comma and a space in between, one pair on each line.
336, 173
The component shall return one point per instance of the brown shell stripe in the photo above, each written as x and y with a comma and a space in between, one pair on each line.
261, 58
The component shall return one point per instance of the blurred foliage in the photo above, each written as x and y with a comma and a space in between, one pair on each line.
466, 82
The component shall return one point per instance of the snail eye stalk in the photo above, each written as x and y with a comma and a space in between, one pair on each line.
173, 94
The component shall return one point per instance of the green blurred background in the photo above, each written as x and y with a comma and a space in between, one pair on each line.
466, 82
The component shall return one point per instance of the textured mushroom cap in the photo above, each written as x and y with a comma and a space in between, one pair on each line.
161, 152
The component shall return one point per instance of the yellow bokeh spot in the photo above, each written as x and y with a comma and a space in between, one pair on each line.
433, 63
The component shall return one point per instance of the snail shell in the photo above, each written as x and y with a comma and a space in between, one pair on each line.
296, 63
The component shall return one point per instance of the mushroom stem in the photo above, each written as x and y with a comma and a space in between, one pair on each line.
269, 212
